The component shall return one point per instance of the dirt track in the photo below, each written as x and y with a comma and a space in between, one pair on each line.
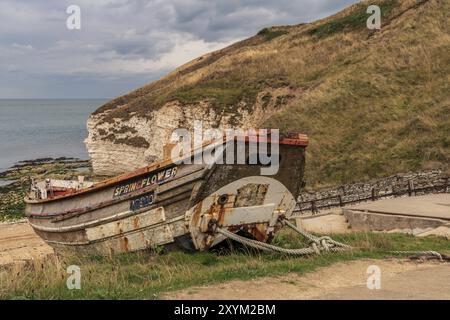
399, 280
19, 244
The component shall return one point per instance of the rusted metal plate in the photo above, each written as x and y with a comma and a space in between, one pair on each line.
251, 194
248, 215
129, 224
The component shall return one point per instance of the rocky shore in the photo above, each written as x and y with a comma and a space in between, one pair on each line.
15, 181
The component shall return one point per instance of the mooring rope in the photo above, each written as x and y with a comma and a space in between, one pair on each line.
317, 244
317, 240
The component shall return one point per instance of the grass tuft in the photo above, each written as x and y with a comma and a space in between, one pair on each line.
353, 21
271, 33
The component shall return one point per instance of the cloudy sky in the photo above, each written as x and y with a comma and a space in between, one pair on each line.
123, 44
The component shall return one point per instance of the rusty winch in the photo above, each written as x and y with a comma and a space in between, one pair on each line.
252, 205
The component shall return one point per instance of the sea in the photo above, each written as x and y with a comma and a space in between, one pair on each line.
41, 128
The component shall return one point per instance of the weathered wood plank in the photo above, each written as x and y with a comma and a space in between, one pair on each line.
119, 227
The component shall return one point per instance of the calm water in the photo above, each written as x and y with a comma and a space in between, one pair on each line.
31, 129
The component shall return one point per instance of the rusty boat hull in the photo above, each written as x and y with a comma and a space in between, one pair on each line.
169, 203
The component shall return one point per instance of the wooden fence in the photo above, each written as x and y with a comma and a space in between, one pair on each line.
373, 194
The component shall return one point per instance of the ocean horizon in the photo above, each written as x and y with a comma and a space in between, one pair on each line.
43, 128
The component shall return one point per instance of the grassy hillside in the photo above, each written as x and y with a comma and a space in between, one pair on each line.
373, 102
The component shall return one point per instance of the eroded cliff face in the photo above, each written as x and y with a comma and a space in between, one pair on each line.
125, 144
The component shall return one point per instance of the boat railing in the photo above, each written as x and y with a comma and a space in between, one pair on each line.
50, 188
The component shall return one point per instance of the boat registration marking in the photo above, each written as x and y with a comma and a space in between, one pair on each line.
143, 201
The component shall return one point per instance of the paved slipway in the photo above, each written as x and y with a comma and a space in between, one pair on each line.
19, 245
399, 280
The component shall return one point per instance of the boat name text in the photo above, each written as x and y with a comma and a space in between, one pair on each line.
153, 179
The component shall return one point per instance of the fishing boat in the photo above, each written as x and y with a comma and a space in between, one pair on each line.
172, 202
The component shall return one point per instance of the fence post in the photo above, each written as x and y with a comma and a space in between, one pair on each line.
313, 207
411, 187
374, 194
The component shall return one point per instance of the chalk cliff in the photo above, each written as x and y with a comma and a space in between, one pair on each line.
124, 144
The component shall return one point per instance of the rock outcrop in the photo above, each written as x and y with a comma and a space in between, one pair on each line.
122, 144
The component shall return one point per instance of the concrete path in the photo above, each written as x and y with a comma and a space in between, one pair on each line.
429, 206
428, 283
399, 280
324, 224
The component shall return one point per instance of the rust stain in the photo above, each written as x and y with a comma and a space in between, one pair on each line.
258, 232
136, 222
196, 214
125, 244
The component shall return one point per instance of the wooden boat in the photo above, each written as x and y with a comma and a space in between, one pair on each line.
169, 203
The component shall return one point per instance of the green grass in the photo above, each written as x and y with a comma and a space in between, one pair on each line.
12, 211
12, 206
355, 20
147, 276
224, 94
270, 34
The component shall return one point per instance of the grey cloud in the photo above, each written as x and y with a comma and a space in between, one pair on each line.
125, 43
